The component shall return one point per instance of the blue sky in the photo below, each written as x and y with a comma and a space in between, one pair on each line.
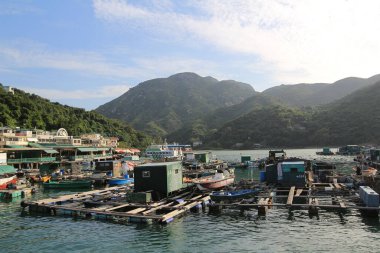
84, 53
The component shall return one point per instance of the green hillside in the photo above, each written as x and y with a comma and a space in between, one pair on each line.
199, 129
31, 111
354, 119
303, 95
162, 106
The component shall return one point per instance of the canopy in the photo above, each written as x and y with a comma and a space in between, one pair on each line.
6, 169
50, 151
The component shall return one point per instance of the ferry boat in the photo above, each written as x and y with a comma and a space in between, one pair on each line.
170, 151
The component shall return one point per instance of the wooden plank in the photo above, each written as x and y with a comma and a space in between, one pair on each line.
291, 195
298, 192
341, 203
337, 186
116, 207
185, 208
136, 211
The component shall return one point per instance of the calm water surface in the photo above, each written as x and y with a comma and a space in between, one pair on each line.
280, 231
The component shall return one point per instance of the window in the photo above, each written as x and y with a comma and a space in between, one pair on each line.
146, 174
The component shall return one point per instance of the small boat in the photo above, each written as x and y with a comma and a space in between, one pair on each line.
68, 184
217, 181
7, 180
233, 195
120, 181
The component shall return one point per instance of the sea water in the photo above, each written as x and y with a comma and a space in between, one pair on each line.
230, 231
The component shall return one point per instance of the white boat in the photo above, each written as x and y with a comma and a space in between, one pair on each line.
217, 181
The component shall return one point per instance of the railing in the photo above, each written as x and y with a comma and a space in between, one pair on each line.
32, 160
85, 157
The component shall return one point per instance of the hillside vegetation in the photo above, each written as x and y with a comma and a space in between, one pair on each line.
31, 111
354, 119
162, 106
304, 95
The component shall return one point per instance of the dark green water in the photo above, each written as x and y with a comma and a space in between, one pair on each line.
280, 231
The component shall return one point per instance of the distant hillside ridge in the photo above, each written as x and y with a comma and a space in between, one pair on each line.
354, 119
303, 95
31, 111
163, 105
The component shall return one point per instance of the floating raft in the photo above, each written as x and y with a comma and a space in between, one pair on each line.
13, 194
110, 204
332, 196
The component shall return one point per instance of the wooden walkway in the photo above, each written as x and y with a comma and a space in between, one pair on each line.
74, 205
318, 196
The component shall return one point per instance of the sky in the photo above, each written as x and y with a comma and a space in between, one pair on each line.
85, 53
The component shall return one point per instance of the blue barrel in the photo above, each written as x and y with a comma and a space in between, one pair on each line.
126, 176
262, 176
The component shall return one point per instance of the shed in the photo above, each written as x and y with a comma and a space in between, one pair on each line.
292, 173
108, 166
162, 178
204, 157
245, 158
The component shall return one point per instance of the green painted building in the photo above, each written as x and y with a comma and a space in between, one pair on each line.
161, 178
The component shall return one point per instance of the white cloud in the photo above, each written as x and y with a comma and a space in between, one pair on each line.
301, 41
109, 91
84, 62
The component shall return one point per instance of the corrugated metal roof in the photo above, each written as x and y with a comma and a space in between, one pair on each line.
50, 151
87, 149
15, 146
5, 169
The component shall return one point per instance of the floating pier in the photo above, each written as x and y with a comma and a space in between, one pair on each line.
335, 197
16, 193
110, 204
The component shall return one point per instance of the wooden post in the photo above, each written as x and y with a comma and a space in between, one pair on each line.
289, 202
313, 209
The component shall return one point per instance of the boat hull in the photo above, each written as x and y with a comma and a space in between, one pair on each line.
112, 182
214, 184
233, 195
4, 182
68, 184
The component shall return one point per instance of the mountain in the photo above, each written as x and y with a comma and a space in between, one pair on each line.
199, 129
162, 106
31, 111
269, 126
303, 95
354, 119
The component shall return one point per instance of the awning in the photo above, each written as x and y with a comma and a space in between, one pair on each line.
120, 150
14, 146
50, 151
5, 169
87, 149
34, 145
103, 149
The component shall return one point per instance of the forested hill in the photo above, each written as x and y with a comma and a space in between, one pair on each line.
164, 105
319, 93
354, 119
31, 111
